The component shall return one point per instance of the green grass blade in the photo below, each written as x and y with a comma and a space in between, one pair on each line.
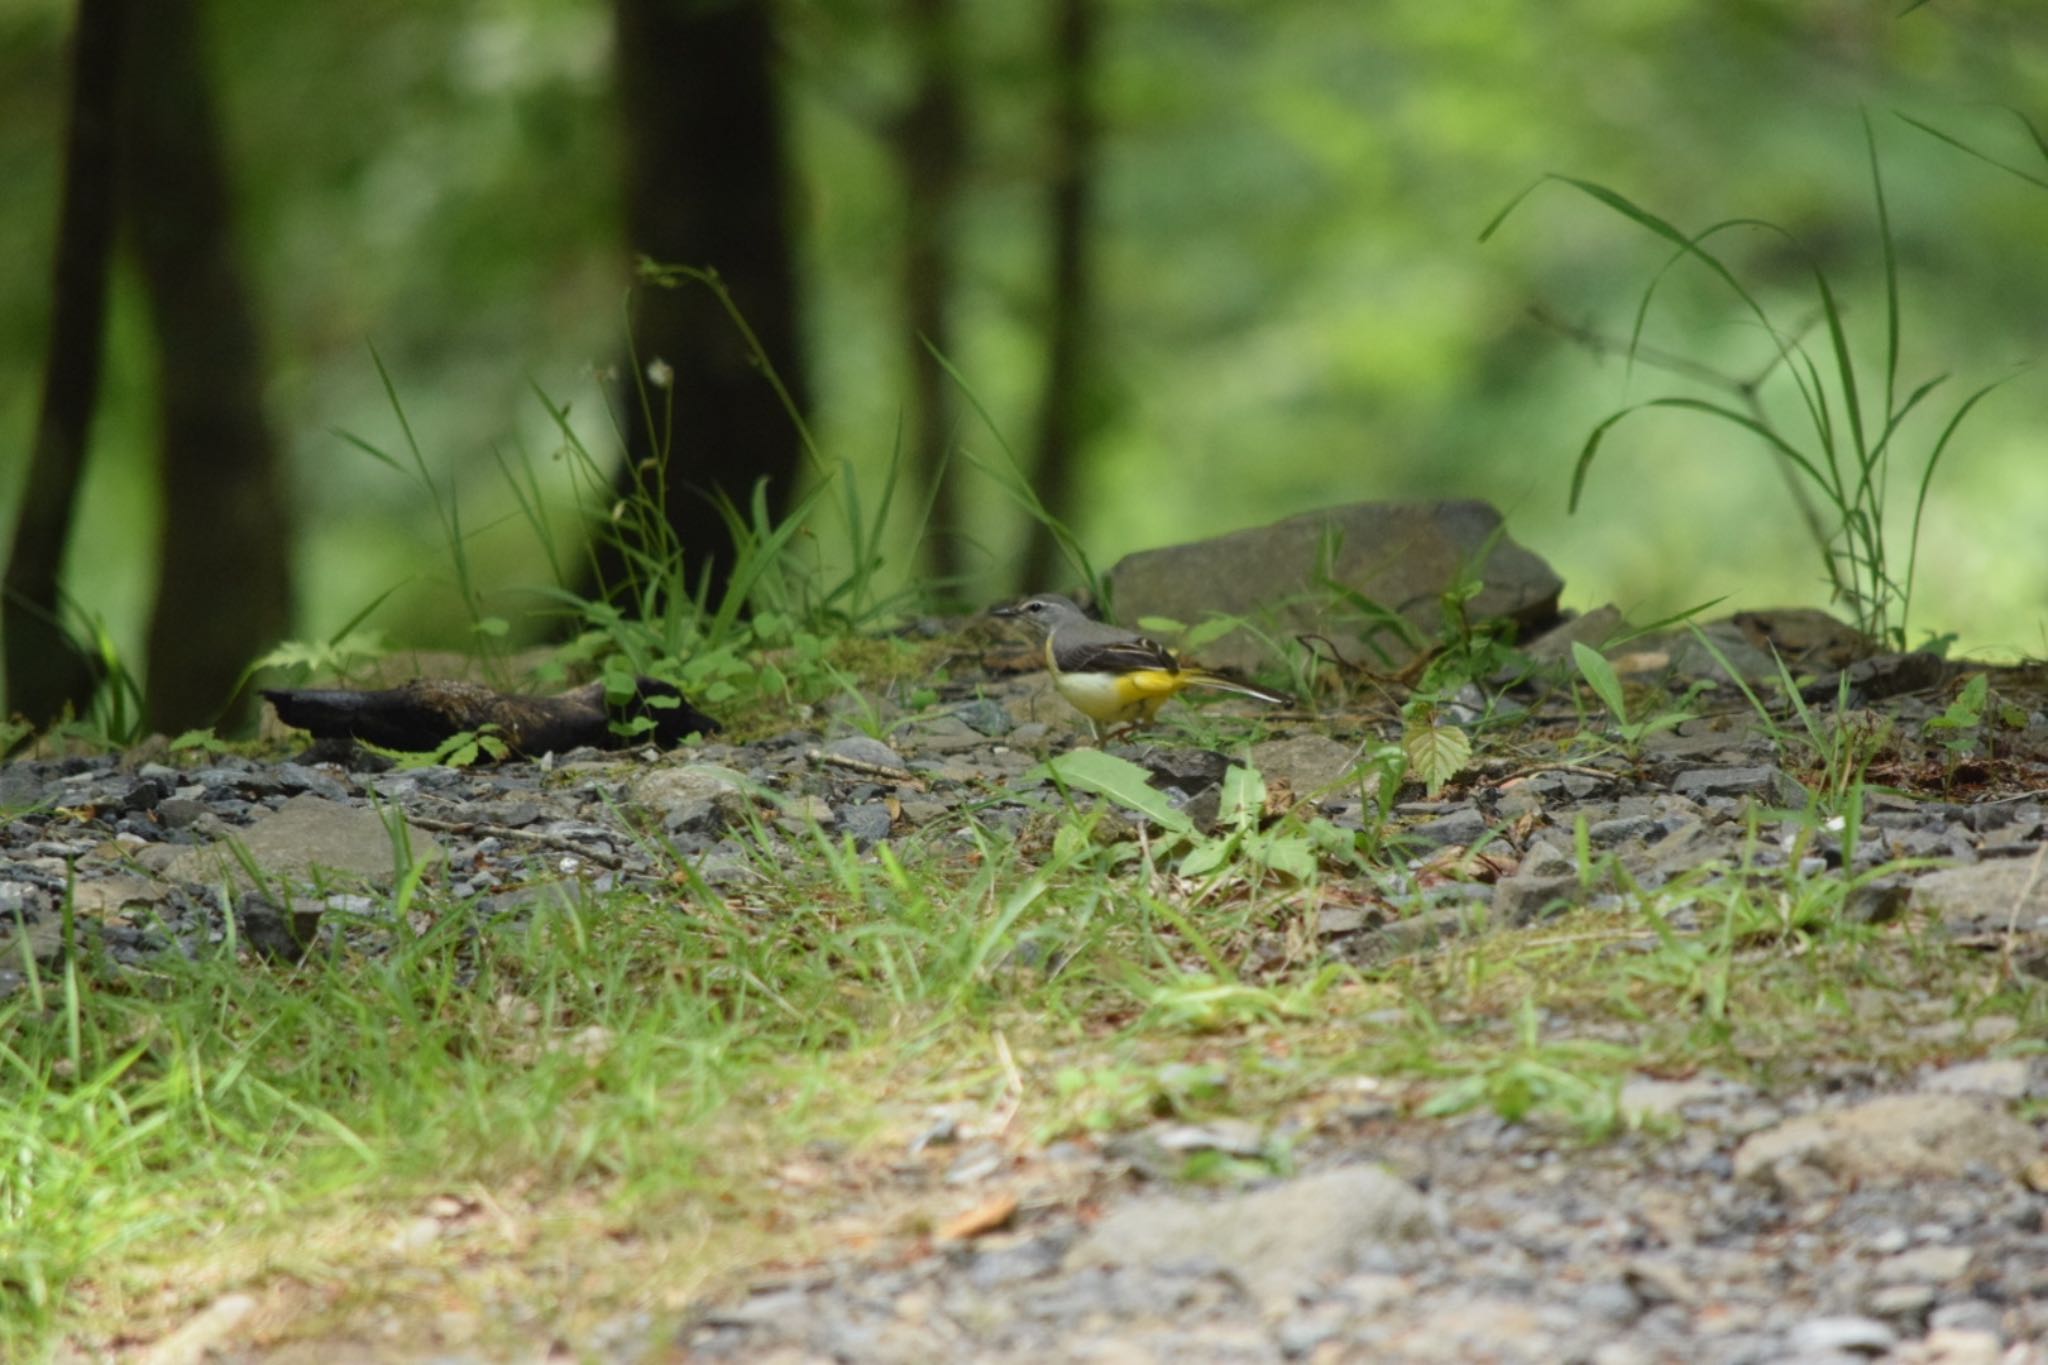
1984, 157
1845, 367
1920, 496
1018, 487
1726, 414
1493, 223
1891, 268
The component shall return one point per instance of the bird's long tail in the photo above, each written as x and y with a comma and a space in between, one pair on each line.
1202, 677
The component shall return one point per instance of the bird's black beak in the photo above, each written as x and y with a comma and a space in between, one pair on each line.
1007, 609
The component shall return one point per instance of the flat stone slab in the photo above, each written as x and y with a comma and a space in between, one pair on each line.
1988, 897
1889, 1139
1273, 1241
308, 839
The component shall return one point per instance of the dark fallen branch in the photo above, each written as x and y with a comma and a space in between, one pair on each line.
421, 715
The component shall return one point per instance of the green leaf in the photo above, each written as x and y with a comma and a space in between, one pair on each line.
1122, 781
1209, 855
1215, 628
1289, 855
1601, 677
493, 626
1966, 712
1243, 798
1436, 753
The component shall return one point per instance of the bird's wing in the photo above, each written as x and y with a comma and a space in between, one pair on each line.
1118, 654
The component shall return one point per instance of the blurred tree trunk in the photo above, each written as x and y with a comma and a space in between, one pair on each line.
704, 167
930, 142
1062, 404
224, 590
45, 671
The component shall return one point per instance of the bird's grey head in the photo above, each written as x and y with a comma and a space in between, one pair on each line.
1044, 611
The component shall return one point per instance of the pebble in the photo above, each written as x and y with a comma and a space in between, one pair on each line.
862, 749
1843, 1335
868, 824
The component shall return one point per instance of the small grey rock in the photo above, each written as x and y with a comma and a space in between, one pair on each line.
862, 749
1009, 1265
984, 716
696, 798
1544, 859
1900, 1300
1768, 783
179, 812
1845, 1333
1464, 826
2005, 1077
1968, 1315
1521, 900
1925, 1265
1610, 1301
1623, 829
274, 931
869, 824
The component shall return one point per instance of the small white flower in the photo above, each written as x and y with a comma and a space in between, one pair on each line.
660, 373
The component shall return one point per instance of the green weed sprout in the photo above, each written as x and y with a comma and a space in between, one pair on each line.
1606, 684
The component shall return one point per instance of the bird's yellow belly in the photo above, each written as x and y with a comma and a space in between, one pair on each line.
1117, 699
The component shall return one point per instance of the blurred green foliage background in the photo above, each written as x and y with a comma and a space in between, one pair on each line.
1293, 307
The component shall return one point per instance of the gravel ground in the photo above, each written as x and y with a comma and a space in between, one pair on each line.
1852, 1217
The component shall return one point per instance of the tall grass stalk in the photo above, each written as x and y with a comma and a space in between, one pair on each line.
1852, 419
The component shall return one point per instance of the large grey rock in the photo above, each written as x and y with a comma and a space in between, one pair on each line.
44, 937
1277, 1242
1987, 897
1401, 556
1889, 1139
308, 839
1313, 765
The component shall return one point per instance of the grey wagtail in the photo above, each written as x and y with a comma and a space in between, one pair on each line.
1113, 676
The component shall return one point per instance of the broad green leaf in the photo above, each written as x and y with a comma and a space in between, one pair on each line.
1208, 856
1435, 753
1290, 855
1122, 781
1967, 710
1215, 628
1601, 677
1243, 799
